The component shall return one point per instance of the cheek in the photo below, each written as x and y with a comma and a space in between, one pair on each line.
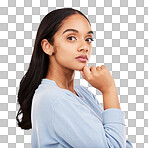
67, 50
66, 54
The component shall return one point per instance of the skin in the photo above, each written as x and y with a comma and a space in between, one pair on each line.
63, 63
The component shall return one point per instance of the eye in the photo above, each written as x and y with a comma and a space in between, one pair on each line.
70, 38
90, 39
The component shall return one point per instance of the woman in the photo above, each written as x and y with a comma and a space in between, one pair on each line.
60, 113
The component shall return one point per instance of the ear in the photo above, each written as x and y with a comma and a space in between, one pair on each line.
47, 47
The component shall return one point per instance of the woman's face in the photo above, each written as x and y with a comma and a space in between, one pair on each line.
73, 39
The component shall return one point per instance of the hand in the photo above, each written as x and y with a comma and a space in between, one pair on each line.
99, 77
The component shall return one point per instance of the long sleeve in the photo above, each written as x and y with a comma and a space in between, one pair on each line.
128, 143
75, 125
61, 119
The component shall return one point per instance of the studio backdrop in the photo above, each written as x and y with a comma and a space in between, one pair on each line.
120, 43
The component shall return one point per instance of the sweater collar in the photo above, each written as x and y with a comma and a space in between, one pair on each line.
48, 81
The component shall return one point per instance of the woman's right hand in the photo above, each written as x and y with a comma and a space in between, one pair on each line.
99, 77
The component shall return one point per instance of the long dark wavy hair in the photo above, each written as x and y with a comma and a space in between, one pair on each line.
39, 63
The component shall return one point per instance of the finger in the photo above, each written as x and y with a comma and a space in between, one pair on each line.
103, 67
93, 69
82, 73
98, 68
86, 71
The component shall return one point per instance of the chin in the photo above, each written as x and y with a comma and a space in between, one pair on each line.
80, 68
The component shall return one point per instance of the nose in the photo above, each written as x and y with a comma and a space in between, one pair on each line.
84, 46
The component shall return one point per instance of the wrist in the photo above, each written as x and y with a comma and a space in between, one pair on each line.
110, 90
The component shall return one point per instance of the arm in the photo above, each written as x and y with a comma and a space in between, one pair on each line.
110, 99
128, 143
75, 125
106, 84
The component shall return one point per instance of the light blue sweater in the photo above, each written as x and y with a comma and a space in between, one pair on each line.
61, 119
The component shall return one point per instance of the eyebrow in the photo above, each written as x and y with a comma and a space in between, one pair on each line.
74, 30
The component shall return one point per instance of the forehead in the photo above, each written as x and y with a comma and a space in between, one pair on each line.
75, 21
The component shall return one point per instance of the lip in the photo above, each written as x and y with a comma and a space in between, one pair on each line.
82, 57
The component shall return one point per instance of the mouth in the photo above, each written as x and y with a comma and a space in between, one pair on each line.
81, 59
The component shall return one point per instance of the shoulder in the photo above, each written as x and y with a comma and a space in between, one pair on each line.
48, 94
